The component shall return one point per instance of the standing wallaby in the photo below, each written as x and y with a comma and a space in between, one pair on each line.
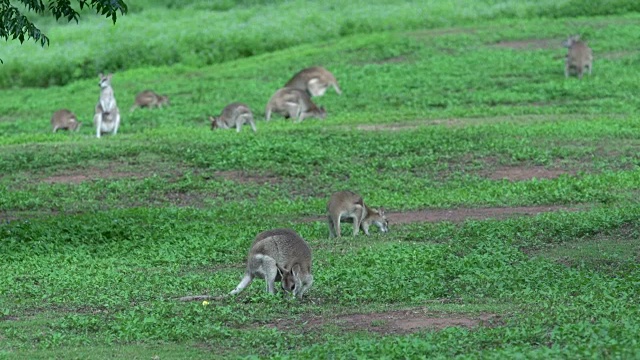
233, 115
149, 99
579, 56
279, 255
314, 80
349, 206
107, 115
64, 119
293, 103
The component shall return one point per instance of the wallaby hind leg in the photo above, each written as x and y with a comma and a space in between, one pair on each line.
115, 128
97, 121
270, 273
246, 280
357, 217
332, 230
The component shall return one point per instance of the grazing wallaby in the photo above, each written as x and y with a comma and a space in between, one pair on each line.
233, 115
314, 80
293, 103
107, 115
579, 56
150, 99
349, 206
64, 119
279, 254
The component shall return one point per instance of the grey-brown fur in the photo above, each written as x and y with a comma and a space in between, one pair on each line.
279, 254
293, 103
64, 119
106, 116
234, 115
579, 57
349, 206
150, 99
314, 80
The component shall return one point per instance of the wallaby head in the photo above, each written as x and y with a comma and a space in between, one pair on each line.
64, 119
214, 122
579, 56
163, 99
320, 113
279, 254
105, 80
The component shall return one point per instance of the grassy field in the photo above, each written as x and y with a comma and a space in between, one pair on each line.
511, 191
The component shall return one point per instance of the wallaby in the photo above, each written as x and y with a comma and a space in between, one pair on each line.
293, 103
314, 80
279, 255
150, 99
579, 57
107, 115
349, 206
64, 119
233, 115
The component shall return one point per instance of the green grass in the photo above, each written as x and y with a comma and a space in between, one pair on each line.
100, 237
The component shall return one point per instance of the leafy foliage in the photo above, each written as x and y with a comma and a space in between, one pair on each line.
15, 25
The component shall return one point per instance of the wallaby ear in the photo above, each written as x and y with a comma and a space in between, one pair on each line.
381, 211
109, 76
100, 75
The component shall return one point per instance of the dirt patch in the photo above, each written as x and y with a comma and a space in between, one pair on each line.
519, 173
530, 44
93, 175
397, 322
410, 125
462, 214
110, 170
244, 177
612, 55
453, 122
186, 199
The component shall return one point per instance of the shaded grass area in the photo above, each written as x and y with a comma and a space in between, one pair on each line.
198, 33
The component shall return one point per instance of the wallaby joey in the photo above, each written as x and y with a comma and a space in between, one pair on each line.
233, 115
107, 115
579, 57
314, 80
293, 103
150, 99
279, 255
348, 206
64, 119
